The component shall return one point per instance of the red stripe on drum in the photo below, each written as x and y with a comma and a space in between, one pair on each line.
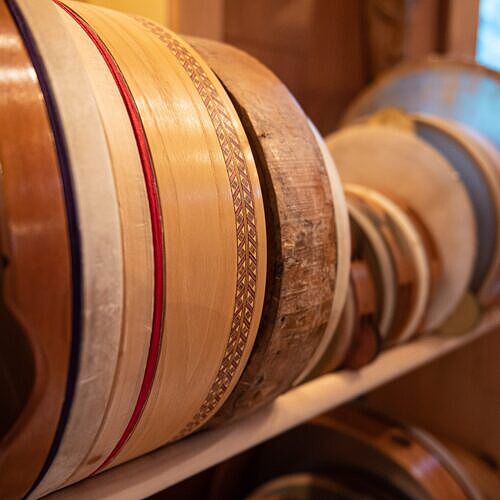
156, 228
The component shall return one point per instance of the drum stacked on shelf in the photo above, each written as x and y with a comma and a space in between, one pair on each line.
177, 247
353, 453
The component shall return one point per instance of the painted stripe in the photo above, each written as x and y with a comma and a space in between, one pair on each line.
156, 228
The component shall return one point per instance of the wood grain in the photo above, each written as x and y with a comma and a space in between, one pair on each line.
37, 277
460, 396
137, 241
300, 222
343, 263
98, 284
409, 257
366, 341
214, 230
403, 167
369, 245
392, 442
350, 439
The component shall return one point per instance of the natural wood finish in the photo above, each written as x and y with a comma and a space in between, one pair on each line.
410, 259
137, 252
460, 395
366, 341
210, 157
172, 464
350, 439
461, 28
342, 271
203, 18
369, 245
337, 349
300, 222
403, 167
452, 89
316, 47
387, 444
37, 277
485, 476
95, 233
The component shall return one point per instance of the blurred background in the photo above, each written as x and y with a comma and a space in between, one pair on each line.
326, 51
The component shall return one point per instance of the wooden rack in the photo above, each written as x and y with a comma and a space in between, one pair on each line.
172, 464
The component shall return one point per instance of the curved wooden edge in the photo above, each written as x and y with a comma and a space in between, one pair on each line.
466, 161
300, 223
487, 158
220, 234
174, 463
354, 110
440, 201
376, 253
448, 459
411, 259
366, 341
142, 252
407, 450
35, 280
95, 233
343, 243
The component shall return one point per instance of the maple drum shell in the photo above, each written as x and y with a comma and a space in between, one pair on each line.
179, 202
213, 224
300, 222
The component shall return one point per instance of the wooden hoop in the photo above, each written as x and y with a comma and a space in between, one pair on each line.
216, 236
343, 242
411, 244
381, 265
301, 228
485, 192
36, 304
98, 309
431, 189
465, 92
137, 240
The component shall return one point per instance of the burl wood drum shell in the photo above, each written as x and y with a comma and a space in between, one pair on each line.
300, 222
172, 239
465, 92
343, 263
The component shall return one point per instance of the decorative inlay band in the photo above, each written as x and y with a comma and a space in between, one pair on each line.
156, 229
244, 211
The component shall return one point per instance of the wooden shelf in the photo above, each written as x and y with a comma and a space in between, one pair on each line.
172, 464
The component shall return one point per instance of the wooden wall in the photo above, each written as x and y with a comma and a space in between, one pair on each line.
326, 51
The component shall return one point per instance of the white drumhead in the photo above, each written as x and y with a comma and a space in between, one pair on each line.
405, 168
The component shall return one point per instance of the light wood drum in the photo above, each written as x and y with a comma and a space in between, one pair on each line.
169, 238
402, 166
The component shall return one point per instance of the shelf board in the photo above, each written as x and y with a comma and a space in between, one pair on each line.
169, 465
